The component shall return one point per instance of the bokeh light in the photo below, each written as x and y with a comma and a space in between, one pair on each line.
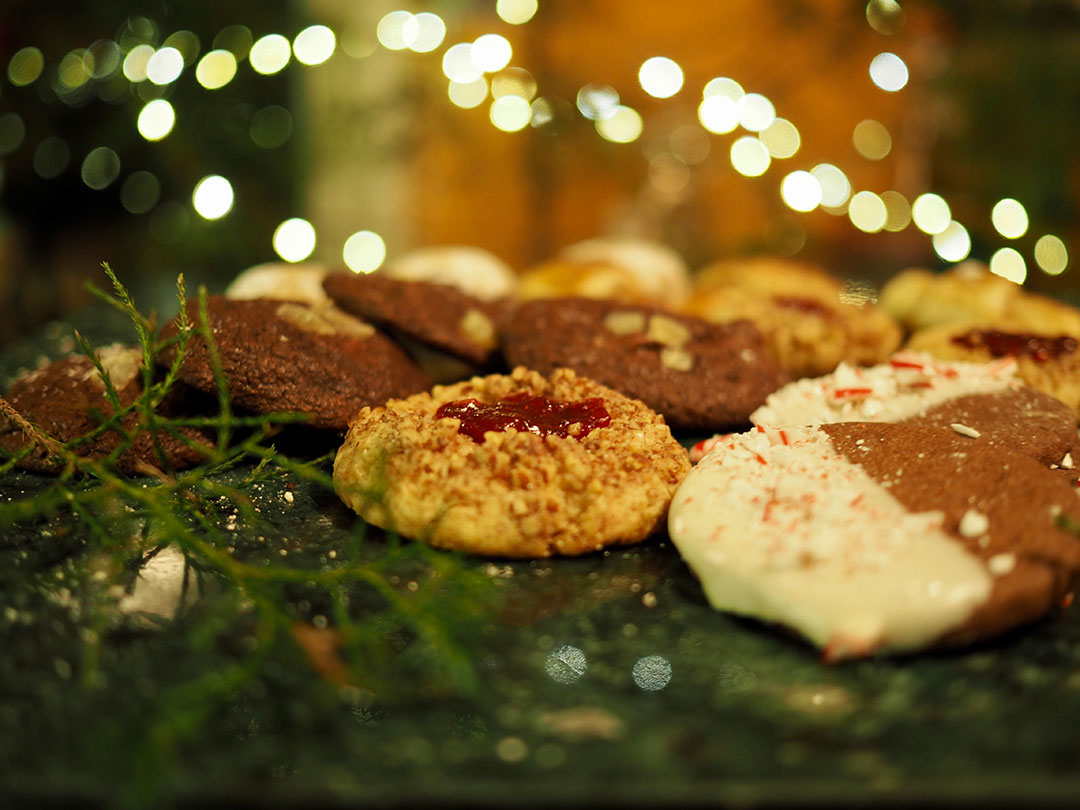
516, 12
270, 54
871, 139
491, 52
723, 86
1009, 218
75, 69
930, 213
100, 168
749, 156
430, 31
236, 39
294, 239
898, 211
136, 61
25, 66
513, 82
510, 113
1051, 255
623, 126
596, 102
212, 197
566, 664
781, 138
835, 186
468, 95
660, 77
216, 69
364, 251
458, 65
396, 30
12, 132
51, 157
314, 45
953, 244
186, 43
105, 58
756, 113
800, 191
885, 16
888, 71
156, 119
718, 114
1009, 264
271, 126
867, 212
165, 66
651, 673
140, 192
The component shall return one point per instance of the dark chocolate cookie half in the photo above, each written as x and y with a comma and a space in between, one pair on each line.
290, 357
700, 376
436, 315
67, 400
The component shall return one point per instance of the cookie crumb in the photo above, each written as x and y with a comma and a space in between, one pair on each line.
1001, 564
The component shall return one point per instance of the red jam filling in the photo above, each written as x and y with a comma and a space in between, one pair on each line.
808, 305
526, 413
1013, 344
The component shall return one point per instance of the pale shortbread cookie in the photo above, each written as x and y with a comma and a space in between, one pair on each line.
472, 270
624, 269
516, 494
970, 294
1048, 361
809, 319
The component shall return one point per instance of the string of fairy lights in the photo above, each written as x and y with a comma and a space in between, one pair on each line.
480, 72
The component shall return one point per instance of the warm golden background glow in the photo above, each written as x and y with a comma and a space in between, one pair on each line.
868, 137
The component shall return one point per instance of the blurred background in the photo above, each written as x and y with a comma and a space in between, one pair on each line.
203, 138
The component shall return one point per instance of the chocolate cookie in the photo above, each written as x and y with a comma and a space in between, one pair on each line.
515, 465
436, 315
878, 538
67, 399
289, 357
698, 375
987, 398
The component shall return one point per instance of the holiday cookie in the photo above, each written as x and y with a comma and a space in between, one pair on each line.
472, 270
969, 294
985, 398
1047, 361
871, 538
627, 269
517, 465
68, 400
436, 315
699, 375
811, 321
282, 356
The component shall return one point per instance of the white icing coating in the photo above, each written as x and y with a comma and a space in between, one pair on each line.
778, 525
658, 269
907, 385
472, 270
281, 281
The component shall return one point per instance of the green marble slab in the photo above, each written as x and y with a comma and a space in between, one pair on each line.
604, 680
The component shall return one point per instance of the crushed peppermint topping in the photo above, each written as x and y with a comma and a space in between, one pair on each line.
974, 523
964, 430
904, 387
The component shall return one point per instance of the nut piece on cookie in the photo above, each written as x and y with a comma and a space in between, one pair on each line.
517, 465
699, 375
627, 269
809, 319
284, 356
877, 538
281, 281
435, 315
67, 399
